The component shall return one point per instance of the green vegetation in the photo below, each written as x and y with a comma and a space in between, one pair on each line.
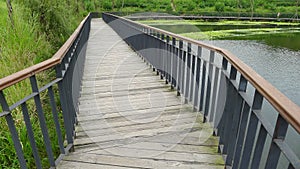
33, 30
223, 22
234, 34
270, 8
203, 30
30, 33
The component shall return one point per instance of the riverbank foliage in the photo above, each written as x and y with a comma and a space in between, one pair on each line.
267, 8
33, 30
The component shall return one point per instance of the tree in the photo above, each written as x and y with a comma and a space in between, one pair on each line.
10, 12
173, 5
252, 8
297, 5
238, 6
123, 4
220, 6
113, 4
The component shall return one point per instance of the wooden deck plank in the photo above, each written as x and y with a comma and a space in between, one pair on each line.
129, 118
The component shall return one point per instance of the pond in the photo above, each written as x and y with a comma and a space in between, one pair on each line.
272, 50
274, 54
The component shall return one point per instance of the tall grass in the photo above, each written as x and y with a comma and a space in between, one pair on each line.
24, 44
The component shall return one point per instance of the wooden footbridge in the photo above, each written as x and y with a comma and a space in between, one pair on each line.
134, 96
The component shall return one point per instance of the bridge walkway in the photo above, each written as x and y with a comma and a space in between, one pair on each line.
129, 118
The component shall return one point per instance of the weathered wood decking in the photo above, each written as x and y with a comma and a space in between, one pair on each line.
129, 118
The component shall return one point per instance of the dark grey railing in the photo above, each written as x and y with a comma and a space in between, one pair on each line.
228, 92
68, 65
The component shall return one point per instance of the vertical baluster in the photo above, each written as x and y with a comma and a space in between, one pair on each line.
214, 74
279, 135
187, 72
157, 54
199, 77
151, 53
203, 85
222, 94
241, 136
225, 119
163, 48
195, 81
251, 131
260, 143
192, 83
208, 84
167, 59
180, 69
215, 95
190, 72
237, 111
42, 120
31, 136
63, 101
225, 92
56, 120
242, 87
69, 90
161, 55
184, 71
174, 63
13, 131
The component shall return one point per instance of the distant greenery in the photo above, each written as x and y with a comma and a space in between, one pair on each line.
33, 34
38, 28
234, 34
286, 8
202, 30
223, 22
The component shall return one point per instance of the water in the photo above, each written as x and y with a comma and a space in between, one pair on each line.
276, 57
279, 66
185, 28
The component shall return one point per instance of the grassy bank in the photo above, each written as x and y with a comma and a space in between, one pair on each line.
234, 34
35, 32
266, 8
223, 22
203, 30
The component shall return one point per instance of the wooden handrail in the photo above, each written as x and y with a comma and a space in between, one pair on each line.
287, 109
54, 60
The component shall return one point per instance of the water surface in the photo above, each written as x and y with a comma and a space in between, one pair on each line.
274, 55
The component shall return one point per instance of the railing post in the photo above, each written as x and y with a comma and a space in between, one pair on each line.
42, 120
179, 69
241, 136
251, 130
13, 131
209, 84
198, 78
162, 50
174, 63
56, 121
167, 60
63, 101
235, 108
202, 85
190, 72
31, 136
279, 135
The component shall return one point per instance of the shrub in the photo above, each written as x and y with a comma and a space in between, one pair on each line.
220, 6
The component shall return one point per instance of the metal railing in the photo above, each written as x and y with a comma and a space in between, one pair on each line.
68, 64
229, 93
